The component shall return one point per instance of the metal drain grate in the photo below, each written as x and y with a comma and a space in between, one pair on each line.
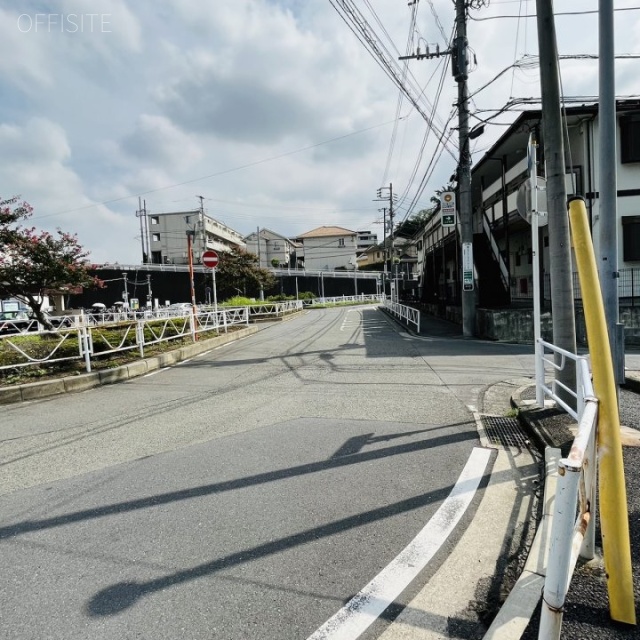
504, 431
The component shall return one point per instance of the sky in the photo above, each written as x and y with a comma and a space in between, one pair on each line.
271, 110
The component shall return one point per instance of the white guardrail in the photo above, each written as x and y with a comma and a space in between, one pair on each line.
104, 333
571, 536
409, 315
363, 298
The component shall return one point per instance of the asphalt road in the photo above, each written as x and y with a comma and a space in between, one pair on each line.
247, 493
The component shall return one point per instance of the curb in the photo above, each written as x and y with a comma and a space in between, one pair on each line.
85, 381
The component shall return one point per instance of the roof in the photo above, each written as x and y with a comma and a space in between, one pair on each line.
325, 232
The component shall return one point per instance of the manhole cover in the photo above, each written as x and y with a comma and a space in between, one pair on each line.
504, 431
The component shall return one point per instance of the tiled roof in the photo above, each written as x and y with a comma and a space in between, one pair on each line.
324, 232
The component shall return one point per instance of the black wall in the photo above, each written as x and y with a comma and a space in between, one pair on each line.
174, 287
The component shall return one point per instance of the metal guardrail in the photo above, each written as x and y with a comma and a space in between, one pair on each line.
409, 315
362, 298
571, 536
133, 331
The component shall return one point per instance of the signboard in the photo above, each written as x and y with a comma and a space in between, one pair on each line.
467, 266
448, 209
210, 259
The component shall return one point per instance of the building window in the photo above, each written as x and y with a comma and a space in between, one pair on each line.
631, 238
155, 220
156, 237
341, 242
630, 138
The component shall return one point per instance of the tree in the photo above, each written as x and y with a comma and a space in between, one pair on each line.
35, 262
240, 271
275, 263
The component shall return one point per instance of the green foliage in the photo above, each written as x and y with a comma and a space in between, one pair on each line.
280, 298
237, 301
275, 263
35, 262
238, 271
307, 295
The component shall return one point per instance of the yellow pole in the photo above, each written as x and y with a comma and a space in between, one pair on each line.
614, 520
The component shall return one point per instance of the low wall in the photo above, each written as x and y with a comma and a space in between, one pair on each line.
516, 325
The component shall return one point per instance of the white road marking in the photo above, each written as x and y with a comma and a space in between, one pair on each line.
204, 353
153, 373
365, 607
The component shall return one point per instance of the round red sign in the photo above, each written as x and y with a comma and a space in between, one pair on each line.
210, 259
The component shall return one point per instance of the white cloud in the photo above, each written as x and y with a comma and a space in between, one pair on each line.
271, 109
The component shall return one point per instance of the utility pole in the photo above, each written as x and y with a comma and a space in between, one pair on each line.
608, 249
149, 293
564, 327
259, 251
203, 240
140, 213
126, 290
459, 53
190, 235
388, 227
460, 67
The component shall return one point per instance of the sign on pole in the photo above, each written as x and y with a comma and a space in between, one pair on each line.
448, 209
467, 266
210, 259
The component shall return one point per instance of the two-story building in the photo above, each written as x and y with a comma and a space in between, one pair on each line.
272, 249
168, 236
329, 248
502, 237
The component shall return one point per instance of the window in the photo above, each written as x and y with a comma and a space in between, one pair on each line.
630, 138
341, 242
156, 237
631, 238
155, 220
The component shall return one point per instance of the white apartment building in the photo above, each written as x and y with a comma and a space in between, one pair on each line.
168, 242
270, 246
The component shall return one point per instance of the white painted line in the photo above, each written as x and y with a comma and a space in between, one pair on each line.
153, 373
184, 361
365, 607
204, 353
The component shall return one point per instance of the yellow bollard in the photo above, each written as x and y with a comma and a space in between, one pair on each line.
614, 520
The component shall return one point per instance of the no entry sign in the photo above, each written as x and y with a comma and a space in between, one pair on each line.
210, 259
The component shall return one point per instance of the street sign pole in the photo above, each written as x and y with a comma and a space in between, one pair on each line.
535, 250
210, 260
215, 295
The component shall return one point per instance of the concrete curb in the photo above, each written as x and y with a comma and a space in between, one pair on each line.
85, 381
516, 612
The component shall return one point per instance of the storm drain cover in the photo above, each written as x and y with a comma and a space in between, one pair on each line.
503, 431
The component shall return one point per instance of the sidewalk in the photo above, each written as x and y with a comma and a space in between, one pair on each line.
586, 612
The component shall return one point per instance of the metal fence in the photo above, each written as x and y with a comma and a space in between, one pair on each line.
408, 315
96, 335
362, 298
571, 536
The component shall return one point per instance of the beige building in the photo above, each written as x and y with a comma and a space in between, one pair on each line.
329, 248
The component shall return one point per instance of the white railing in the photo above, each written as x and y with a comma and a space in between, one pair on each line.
363, 298
409, 315
276, 309
113, 336
571, 536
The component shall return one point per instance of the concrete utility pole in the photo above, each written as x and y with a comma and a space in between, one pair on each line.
608, 249
460, 68
140, 214
564, 327
203, 239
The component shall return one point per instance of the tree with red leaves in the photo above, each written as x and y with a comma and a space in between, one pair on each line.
34, 262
